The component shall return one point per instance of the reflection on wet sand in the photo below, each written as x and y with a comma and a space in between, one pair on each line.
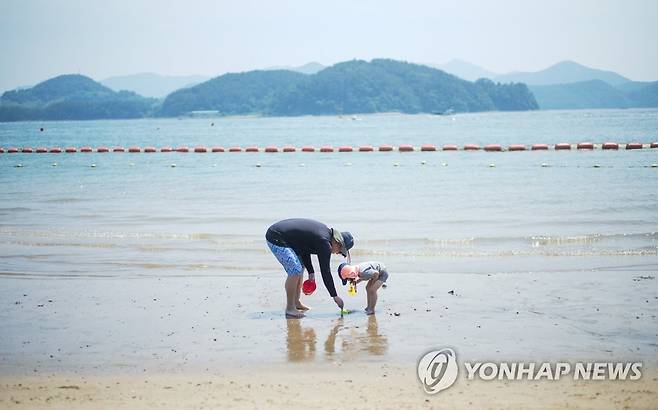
352, 340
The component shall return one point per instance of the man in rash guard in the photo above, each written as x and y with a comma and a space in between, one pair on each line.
293, 241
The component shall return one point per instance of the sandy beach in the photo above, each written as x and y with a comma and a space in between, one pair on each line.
316, 386
196, 342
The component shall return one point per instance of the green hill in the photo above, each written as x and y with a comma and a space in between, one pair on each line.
72, 97
348, 88
232, 94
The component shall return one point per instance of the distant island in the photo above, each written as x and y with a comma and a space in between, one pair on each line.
352, 87
73, 97
569, 85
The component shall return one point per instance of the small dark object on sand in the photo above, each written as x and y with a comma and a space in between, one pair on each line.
452, 292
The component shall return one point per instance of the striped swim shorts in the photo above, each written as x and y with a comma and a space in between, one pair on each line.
287, 258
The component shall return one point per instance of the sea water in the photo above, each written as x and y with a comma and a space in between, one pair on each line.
186, 214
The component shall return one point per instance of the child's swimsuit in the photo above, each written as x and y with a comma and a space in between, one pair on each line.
368, 269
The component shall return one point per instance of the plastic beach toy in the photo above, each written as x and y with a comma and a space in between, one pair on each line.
351, 289
308, 287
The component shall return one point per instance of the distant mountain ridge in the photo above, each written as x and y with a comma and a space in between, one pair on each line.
350, 87
562, 73
308, 68
465, 70
72, 97
152, 84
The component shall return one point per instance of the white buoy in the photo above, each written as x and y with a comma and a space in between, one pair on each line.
492, 165
132, 164
544, 165
348, 164
597, 166
54, 164
258, 165
396, 164
18, 165
445, 164
423, 162
93, 165
654, 165
173, 165
302, 165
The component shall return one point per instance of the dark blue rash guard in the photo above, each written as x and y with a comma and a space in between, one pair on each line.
306, 237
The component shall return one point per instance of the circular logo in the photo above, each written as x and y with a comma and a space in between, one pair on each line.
437, 370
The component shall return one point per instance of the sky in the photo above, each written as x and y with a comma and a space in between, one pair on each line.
40, 39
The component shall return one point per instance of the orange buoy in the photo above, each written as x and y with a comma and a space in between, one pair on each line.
251, 149
516, 147
271, 149
450, 147
166, 148
27, 150
471, 147
385, 148
217, 149
118, 149
12, 150
327, 148
405, 148
56, 150
610, 145
585, 145
200, 149
41, 150
308, 149
428, 147
345, 148
71, 150
102, 149
493, 148
86, 149
235, 149
562, 146
150, 149
539, 147
134, 149
289, 148
654, 145
183, 148
634, 145
366, 148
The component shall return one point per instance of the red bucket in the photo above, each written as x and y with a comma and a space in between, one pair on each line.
308, 287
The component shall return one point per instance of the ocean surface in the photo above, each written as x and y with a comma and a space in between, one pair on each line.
177, 214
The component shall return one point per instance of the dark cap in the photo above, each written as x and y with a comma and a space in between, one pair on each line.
345, 240
340, 267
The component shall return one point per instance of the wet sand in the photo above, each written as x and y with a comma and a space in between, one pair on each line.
164, 339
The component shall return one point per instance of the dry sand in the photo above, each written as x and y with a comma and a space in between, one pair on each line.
318, 386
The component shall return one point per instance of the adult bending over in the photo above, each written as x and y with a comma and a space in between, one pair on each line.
293, 241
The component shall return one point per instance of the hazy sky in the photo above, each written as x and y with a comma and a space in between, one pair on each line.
43, 38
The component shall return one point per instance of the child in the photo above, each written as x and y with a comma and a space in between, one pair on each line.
374, 272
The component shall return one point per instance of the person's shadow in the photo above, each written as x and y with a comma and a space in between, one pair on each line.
353, 340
